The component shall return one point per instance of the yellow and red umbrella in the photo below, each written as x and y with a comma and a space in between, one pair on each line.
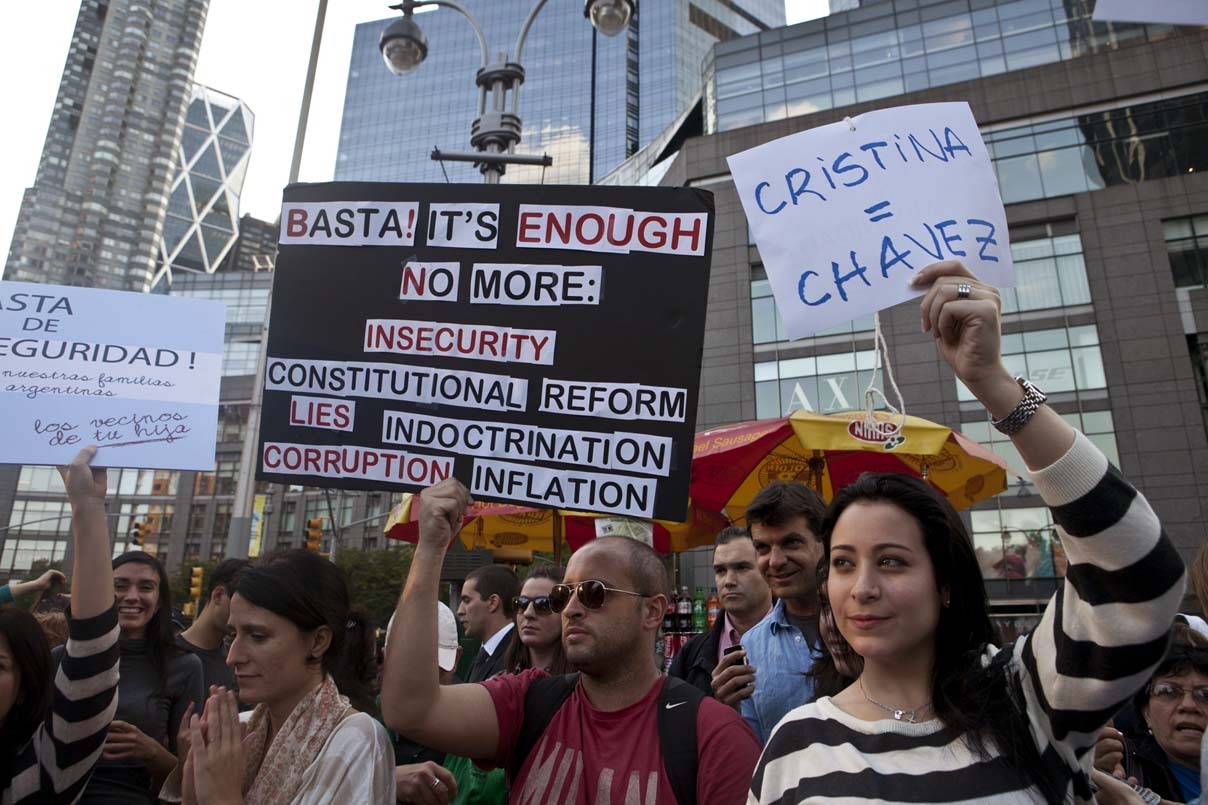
828, 451
507, 526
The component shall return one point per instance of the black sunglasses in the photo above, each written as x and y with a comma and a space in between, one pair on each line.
591, 594
541, 604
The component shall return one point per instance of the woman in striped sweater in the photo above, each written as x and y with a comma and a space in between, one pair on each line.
938, 714
50, 740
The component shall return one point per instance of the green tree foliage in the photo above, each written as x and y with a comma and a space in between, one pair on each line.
375, 579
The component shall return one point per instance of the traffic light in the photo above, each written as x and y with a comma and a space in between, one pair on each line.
139, 531
314, 534
195, 582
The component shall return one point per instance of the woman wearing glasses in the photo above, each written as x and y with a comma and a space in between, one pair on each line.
1173, 713
537, 625
937, 712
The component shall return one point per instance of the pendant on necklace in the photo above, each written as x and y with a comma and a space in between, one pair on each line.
900, 715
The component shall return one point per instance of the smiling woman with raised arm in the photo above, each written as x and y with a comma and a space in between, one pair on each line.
159, 683
937, 711
50, 739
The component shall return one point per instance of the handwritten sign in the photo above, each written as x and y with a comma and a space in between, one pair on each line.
135, 374
542, 344
844, 214
1165, 12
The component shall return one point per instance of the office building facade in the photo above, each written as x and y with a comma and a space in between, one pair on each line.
202, 223
588, 101
95, 214
1099, 137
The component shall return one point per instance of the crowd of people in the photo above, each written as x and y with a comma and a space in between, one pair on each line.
854, 659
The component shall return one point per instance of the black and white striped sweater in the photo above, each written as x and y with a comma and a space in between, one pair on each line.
55, 764
1100, 638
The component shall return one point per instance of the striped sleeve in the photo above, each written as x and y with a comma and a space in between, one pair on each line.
57, 762
1104, 632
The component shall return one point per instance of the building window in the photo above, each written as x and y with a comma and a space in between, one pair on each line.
1063, 359
37, 529
156, 516
823, 384
1097, 425
240, 358
1018, 544
1187, 245
766, 325
147, 482
1049, 272
40, 479
197, 522
232, 422
226, 477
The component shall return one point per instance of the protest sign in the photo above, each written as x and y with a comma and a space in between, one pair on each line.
844, 214
1163, 12
135, 374
542, 344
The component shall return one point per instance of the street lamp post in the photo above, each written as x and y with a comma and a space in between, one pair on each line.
496, 130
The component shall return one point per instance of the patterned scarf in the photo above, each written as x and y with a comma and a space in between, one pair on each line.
273, 774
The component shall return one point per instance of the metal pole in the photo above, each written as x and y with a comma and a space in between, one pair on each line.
239, 536
304, 114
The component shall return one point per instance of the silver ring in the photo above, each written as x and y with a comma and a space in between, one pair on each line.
435, 782
963, 290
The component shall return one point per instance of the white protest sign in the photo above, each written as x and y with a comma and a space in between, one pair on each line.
1166, 12
135, 374
845, 214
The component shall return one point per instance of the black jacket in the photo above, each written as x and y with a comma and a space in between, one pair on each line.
696, 660
1148, 763
497, 662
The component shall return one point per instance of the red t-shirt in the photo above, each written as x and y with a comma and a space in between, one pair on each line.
592, 757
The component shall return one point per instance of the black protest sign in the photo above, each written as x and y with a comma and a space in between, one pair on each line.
541, 344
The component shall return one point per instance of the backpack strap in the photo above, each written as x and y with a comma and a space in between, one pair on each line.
678, 704
543, 699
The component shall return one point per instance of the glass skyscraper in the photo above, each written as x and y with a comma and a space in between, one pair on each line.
95, 214
203, 209
642, 80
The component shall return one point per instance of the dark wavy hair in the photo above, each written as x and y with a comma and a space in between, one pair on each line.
1188, 651
981, 703
518, 658
32, 663
309, 592
161, 642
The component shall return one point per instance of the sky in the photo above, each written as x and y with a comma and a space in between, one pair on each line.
256, 51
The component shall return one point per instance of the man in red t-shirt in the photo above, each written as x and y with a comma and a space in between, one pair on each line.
602, 746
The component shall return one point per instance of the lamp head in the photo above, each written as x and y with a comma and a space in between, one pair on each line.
403, 44
609, 17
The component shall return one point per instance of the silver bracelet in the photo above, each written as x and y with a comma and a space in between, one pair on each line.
1033, 398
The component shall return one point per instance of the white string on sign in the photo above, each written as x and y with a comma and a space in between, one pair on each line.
891, 430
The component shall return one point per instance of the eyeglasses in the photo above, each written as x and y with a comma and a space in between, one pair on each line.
591, 594
1172, 694
541, 604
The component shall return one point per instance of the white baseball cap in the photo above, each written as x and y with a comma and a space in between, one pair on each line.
446, 637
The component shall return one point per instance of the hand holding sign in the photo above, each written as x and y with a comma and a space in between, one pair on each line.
845, 214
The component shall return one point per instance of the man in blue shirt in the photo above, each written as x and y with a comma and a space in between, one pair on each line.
768, 677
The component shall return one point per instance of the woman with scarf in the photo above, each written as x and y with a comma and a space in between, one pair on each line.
305, 743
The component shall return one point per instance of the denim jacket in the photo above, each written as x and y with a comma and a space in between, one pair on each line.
781, 656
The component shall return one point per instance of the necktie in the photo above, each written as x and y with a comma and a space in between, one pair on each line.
478, 670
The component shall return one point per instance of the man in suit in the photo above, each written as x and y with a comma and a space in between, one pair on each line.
745, 600
486, 615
